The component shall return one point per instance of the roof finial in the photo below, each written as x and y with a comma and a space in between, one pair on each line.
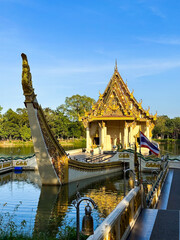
115, 68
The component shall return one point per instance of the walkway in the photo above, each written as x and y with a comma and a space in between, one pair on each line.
162, 223
87, 157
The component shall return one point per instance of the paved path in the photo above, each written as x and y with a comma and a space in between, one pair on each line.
162, 223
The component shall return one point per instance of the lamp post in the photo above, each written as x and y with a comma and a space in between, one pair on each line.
88, 209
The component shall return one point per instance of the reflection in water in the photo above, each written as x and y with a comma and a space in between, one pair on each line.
16, 151
27, 150
52, 207
48, 208
106, 201
55, 210
171, 148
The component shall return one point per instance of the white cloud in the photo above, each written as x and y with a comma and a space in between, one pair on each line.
135, 68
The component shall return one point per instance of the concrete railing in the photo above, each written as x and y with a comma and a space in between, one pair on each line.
24, 162
120, 221
152, 197
5, 166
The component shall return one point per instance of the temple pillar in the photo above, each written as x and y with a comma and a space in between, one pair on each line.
131, 135
88, 140
125, 136
105, 138
102, 134
120, 136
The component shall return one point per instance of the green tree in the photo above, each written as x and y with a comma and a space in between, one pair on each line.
76, 105
166, 127
25, 133
10, 125
76, 130
176, 122
58, 122
161, 127
23, 116
1, 120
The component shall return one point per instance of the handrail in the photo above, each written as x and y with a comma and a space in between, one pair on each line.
153, 195
120, 221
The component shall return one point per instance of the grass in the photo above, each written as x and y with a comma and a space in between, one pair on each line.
70, 142
167, 140
68, 233
15, 143
73, 143
9, 230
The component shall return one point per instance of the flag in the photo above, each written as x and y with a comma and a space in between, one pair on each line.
144, 142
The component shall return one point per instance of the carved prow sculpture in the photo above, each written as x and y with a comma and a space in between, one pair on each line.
51, 158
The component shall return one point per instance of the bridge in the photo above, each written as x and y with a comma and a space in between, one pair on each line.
139, 217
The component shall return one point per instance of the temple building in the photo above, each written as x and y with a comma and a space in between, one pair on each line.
116, 118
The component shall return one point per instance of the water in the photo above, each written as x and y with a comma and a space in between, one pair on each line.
50, 209
16, 151
172, 149
29, 150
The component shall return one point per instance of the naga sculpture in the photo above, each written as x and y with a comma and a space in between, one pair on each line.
55, 168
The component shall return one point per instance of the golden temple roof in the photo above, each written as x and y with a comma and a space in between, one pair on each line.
117, 103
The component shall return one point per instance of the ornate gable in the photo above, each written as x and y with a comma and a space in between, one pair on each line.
117, 103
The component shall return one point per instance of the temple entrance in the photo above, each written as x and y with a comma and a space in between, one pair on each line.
96, 141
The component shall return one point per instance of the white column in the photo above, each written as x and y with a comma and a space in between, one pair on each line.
120, 136
125, 136
87, 139
102, 137
131, 136
105, 138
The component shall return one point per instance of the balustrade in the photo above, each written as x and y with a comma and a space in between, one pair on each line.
121, 220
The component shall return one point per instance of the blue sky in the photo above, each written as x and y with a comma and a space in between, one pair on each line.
72, 46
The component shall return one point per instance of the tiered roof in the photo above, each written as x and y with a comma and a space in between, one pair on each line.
117, 103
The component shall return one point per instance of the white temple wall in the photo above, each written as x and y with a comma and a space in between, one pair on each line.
114, 133
110, 132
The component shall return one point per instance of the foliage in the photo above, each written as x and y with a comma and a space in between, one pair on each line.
75, 106
167, 128
9, 230
25, 133
63, 121
70, 233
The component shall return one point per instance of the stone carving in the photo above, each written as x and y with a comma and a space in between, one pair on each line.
27, 80
58, 155
56, 151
